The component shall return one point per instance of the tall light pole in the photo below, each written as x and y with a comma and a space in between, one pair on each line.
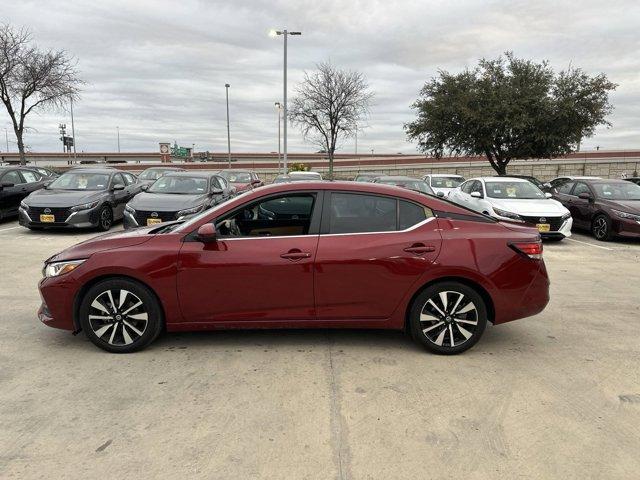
226, 86
6, 137
356, 139
279, 108
118, 132
285, 33
73, 130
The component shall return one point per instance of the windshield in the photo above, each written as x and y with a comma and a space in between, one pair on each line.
179, 185
236, 177
418, 185
152, 174
518, 190
306, 175
617, 191
446, 182
80, 181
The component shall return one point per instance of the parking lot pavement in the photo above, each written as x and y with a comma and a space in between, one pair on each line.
553, 396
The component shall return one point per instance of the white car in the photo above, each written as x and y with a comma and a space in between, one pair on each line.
515, 200
443, 182
306, 175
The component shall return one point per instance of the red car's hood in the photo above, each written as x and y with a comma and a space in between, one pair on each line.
108, 241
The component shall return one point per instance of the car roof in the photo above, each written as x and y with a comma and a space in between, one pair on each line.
236, 170
398, 177
500, 179
107, 170
304, 173
175, 169
603, 180
444, 175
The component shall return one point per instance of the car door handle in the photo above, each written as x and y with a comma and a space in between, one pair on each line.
419, 248
295, 255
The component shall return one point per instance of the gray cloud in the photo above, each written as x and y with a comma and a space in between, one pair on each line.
157, 69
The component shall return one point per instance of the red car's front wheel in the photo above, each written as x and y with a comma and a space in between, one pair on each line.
120, 315
448, 317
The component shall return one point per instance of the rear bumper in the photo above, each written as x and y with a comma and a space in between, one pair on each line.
80, 219
533, 299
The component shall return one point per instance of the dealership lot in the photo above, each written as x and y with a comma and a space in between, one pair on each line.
556, 395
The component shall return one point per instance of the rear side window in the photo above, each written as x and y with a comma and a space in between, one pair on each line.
12, 176
566, 188
356, 213
30, 177
411, 214
130, 179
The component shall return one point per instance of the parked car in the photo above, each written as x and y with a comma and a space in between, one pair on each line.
80, 198
242, 180
530, 178
15, 184
515, 200
150, 175
406, 182
607, 208
442, 182
552, 185
345, 255
283, 178
306, 175
175, 195
635, 180
366, 176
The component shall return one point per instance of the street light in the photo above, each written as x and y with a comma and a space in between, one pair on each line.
279, 109
118, 133
73, 130
226, 86
6, 137
285, 33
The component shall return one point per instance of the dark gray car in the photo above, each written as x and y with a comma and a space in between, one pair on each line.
176, 195
16, 183
150, 175
80, 198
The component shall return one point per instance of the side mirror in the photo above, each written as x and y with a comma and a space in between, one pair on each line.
216, 191
546, 185
118, 186
256, 183
548, 195
207, 233
476, 194
585, 196
440, 194
144, 187
47, 183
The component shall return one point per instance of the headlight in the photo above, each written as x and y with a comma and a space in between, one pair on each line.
566, 216
84, 206
630, 216
56, 269
24, 206
190, 211
130, 209
509, 215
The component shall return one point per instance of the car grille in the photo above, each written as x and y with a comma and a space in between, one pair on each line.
142, 215
61, 214
554, 222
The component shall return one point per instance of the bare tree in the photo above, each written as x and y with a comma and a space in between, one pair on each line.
32, 79
328, 105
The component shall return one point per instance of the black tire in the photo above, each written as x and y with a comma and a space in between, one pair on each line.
434, 330
105, 218
601, 227
128, 328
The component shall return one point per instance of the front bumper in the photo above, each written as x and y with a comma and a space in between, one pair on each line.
58, 294
563, 232
139, 219
80, 219
626, 227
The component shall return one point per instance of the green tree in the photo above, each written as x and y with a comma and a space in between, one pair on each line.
509, 108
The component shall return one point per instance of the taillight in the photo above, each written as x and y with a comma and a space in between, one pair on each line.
530, 249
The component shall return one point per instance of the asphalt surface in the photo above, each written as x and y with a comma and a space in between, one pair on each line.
553, 396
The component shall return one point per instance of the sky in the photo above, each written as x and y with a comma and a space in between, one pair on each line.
157, 69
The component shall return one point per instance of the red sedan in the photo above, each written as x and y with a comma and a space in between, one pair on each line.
300, 255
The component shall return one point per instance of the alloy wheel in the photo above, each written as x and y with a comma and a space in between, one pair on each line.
118, 317
105, 218
448, 319
600, 228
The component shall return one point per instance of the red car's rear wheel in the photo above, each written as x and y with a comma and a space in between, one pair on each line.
448, 317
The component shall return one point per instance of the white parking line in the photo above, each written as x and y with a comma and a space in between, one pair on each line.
590, 244
10, 228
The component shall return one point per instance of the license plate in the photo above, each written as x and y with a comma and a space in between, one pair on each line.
47, 218
153, 221
543, 227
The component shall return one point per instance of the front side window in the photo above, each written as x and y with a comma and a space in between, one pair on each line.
357, 213
118, 180
581, 188
466, 187
80, 181
152, 174
237, 177
283, 215
515, 190
180, 185
130, 179
477, 187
